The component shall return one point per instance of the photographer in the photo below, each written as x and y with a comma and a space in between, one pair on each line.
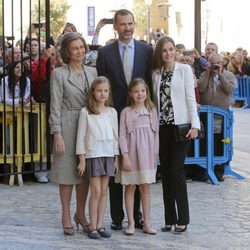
216, 86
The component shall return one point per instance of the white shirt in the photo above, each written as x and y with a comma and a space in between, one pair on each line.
8, 96
216, 82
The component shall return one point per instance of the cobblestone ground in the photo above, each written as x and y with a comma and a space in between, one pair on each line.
30, 215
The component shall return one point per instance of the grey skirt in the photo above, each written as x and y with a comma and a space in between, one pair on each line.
101, 166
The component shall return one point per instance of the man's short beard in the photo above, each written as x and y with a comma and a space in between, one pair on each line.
126, 37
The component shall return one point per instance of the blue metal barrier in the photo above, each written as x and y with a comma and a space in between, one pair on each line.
242, 90
207, 159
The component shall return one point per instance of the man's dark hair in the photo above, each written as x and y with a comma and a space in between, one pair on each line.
122, 12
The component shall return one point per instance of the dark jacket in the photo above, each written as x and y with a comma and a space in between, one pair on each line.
109, 64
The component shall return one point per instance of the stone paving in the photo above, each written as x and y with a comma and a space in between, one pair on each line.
220, 215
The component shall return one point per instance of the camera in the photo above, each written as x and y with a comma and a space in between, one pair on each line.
158, 35
214, 66
108, 20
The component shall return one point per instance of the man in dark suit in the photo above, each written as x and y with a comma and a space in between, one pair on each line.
110, 63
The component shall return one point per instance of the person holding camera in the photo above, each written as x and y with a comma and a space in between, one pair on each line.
216, 86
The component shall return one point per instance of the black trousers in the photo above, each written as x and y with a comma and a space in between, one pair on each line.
116, 202
172, 157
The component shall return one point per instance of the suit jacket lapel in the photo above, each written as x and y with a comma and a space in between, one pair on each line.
137, 58
88, 76
74, 81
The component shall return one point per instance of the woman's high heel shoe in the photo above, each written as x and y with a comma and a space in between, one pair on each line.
85, 228
68, 230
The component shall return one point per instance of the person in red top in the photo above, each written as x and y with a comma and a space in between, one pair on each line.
39, 74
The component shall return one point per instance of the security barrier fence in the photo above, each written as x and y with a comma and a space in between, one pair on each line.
24, 133
242, 90
216, 148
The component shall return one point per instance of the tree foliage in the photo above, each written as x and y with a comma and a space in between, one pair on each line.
140, 13
58, 15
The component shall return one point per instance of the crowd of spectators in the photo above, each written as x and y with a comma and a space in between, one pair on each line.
23, 65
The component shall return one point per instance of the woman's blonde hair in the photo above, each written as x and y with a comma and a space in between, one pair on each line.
157, 57
91, 103
71, 26
135, 82
232, 66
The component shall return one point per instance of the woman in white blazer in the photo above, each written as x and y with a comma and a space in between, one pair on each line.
173, 92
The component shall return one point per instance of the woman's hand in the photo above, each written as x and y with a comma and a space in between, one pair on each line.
59, 144
32, 100
48, 53
126, 164
100, 24
192, 133
82, 165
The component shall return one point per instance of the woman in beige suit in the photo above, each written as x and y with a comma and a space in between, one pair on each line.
69, 86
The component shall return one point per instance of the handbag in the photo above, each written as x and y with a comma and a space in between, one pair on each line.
181, 131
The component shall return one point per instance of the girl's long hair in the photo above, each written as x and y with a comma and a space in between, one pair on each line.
12, 80
91, 103
130, 101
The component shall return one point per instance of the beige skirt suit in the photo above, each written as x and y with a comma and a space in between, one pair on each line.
67, 97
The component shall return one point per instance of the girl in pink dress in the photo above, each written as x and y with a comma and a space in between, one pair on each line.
139, 147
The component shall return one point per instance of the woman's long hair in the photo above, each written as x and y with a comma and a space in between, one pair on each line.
157, 57
12, 79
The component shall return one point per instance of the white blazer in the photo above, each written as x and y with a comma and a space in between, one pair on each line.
182, 94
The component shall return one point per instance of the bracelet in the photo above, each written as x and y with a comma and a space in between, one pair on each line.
56, 132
